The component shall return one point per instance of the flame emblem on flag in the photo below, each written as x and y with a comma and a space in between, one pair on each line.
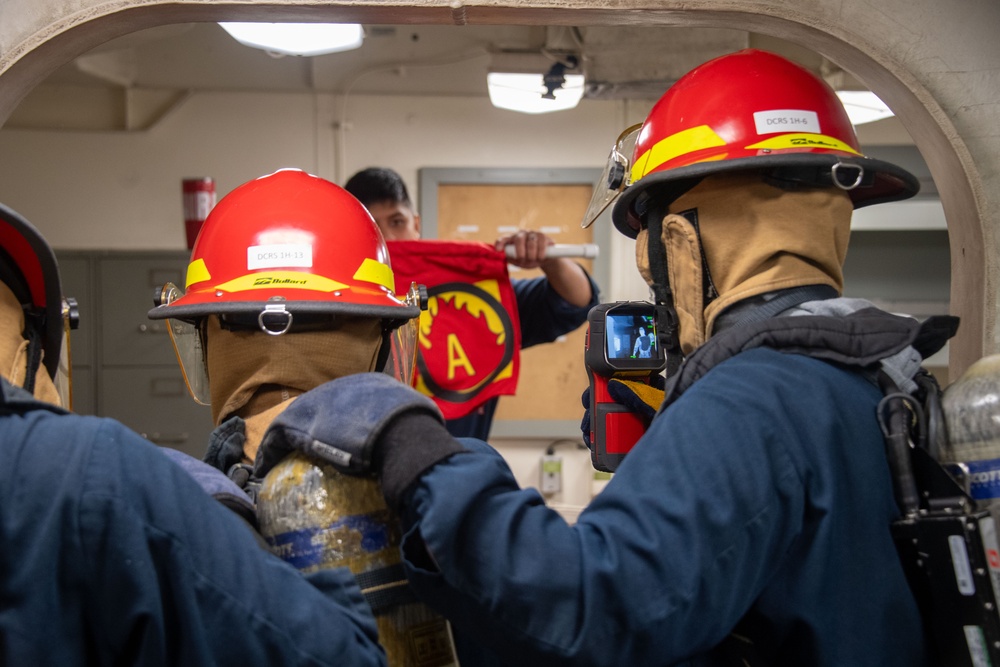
468, 317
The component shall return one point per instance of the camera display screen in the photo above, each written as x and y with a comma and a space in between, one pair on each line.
631, 334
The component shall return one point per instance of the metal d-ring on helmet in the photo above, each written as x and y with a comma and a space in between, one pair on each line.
28, 267
284, 252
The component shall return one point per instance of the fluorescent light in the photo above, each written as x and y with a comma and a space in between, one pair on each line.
297, 39
523, 92
864, 106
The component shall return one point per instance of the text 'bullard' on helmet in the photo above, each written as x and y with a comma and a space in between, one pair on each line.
749, 110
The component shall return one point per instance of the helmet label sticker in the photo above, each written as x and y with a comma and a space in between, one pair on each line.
786, 120
279, 255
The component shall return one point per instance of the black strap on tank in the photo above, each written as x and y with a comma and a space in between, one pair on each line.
385, 588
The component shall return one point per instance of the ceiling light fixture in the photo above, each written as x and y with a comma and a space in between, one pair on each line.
513, 88
297, 39
863, 106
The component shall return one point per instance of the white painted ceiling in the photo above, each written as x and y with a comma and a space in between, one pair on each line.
124, 83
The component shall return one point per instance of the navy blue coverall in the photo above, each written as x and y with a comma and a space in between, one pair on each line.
110, 553
761, 495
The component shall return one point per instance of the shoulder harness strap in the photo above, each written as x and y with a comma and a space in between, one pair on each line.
858, 340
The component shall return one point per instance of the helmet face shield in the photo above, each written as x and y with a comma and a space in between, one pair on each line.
64, 373
402, 360
615, 177
188, 347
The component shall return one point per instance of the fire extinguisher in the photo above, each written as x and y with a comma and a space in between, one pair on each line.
199, 200
316, 518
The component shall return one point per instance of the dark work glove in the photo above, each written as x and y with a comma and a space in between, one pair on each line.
340, 422
217, 485
585, 422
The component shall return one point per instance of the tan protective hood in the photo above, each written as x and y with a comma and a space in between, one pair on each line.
255, 375
755, 238
14, 350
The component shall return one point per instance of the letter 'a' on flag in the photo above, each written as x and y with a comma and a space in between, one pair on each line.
468, 346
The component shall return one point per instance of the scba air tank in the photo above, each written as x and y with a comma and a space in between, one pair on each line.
315, 518
972, 414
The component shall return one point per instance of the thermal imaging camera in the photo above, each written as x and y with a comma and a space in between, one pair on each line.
621, 343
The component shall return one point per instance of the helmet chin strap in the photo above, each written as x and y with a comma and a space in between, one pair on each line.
666, 316
34, 359
384, 349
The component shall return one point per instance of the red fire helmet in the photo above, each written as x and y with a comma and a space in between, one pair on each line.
28, 267
752, 110
292, 242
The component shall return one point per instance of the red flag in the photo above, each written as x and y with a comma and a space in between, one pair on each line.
469, 342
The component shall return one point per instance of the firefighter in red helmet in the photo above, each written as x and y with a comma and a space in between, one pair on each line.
289, 285
750, 524
723, 143
115, 551
752, 111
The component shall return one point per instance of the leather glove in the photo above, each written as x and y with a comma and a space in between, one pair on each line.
340, 422
639, 397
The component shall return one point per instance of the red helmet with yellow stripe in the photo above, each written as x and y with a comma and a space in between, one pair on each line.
284, 250
752, 110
